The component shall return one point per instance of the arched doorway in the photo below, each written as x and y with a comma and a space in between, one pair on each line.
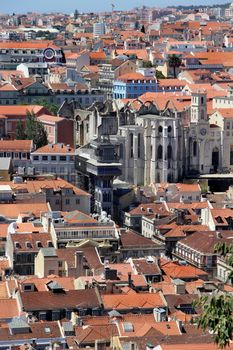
215, 158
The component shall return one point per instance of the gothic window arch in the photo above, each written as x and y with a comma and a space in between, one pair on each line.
139, 145
169, 152
131, 144
195, 148
160, 152
202, 114
121, 151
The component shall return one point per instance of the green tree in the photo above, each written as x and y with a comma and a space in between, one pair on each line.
159, 74
217, 315
51, 107
174, 61
20, 130
143, 30
35, 131
147, 64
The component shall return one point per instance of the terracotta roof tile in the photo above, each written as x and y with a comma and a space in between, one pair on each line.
39, 44
13, 210
20, 110
8, 308
58, 148
132, 239
16, 145
127, 301
34, 301
174, 270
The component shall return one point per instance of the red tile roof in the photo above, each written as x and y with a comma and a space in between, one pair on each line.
133, 239
174, 270
39, 44
132, 300
23, 239
73, 299
13, 210
58, 148
8, 308
20, 110
134, 76
16, 145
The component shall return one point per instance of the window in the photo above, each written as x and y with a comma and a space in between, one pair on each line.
194, 148
77, 201
62, 158
28, 245
53, 158
131, 145
139, 145
44, 157
169, 152
35, 157
39, 244
231, 156
169, 129
67, 201
28, 287
160, 152
160, 128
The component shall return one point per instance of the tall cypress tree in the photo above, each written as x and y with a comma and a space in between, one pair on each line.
35, 131
20, 131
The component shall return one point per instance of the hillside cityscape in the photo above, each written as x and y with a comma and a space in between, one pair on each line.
116, 178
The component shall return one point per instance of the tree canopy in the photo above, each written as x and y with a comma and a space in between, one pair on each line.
34, 130
159, 74
51, 107
147, 64
20, 130
174, 61
217, 315
143, 30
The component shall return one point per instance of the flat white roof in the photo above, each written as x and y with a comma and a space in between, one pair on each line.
5, 188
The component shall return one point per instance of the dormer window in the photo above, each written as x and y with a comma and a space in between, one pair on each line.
17, 245
38, 244
28, 245
28, 287
50, 244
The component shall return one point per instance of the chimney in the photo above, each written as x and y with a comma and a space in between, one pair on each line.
130, 280
79, 263
179, 287
100, 345
110, 274
49, 224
